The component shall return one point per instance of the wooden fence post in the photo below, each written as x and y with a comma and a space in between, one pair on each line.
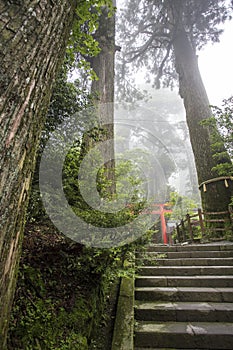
183, 230
201, 222
178, 233
230, 209
190, 227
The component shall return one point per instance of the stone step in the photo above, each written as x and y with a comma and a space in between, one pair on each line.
162, 349
184, 298
184, 294
201, 254
188, 255
184, 281
202, 335
190, 262
185, 270
196, 262
189, 247
184, 311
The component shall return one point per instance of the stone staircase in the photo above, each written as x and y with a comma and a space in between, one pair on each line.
187, 301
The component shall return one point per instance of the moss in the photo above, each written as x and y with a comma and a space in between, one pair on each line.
60, 299
124, 324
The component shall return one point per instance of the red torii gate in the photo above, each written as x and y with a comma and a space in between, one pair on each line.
161, 212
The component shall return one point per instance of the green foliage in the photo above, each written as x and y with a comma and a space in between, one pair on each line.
38, 320
221, 126
67, 99
224, 122
128, 185
82, 43
181, 205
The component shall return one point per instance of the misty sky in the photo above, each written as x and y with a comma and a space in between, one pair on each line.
216, 66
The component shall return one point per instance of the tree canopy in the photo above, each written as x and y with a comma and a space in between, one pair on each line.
148, 29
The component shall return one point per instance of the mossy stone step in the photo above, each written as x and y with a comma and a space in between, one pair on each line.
184, 281
194, 262
185, 270
193, 335
184, 294
184, 311
190, 247
187, 254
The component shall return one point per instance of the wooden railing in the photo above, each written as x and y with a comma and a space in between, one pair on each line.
207, 222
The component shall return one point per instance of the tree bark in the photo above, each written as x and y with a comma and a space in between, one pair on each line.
33, 35
103, 93
217, 195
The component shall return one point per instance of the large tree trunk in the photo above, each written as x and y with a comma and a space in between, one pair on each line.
33, 39
217, 196
103, 94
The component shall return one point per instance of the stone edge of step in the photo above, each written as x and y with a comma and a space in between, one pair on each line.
123, 333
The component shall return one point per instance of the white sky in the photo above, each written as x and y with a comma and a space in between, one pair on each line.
216, 66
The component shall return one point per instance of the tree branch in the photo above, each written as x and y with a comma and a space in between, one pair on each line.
142, 49
160, 71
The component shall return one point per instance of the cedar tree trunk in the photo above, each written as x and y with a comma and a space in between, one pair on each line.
103, 95
217, 197
33, 37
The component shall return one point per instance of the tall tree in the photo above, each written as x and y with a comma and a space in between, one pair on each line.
34, 35
165, 36
102, 90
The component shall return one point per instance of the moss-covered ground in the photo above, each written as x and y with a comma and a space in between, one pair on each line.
64, 297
